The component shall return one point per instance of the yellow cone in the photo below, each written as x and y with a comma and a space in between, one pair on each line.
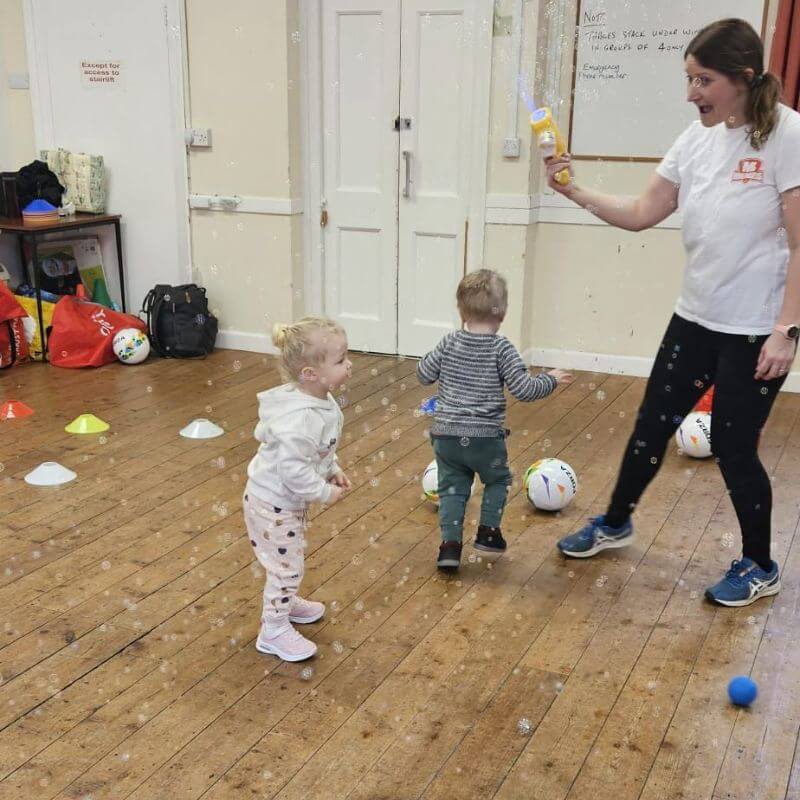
87, 423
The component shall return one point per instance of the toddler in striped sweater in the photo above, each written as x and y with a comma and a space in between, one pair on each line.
472, 366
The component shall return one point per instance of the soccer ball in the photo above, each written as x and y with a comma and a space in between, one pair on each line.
694, 435
430, 483
131, 346
550, 484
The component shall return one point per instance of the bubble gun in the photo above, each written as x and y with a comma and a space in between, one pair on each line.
549, 139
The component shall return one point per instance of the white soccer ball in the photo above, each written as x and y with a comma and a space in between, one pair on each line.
694, 435
131, 346
550, 484
430, 483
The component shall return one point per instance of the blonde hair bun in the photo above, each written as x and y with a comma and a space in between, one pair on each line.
279, 331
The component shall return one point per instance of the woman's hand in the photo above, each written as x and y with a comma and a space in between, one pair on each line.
554, 165
776, 357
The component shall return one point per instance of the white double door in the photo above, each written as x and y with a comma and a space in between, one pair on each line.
399, 158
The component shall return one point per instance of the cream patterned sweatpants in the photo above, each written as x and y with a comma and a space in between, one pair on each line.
278, 539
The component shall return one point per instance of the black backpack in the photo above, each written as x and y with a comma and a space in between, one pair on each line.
36, 180
179, 323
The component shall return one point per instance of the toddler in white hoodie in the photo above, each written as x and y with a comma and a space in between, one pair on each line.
299, 425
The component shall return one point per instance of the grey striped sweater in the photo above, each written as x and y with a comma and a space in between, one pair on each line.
472, 369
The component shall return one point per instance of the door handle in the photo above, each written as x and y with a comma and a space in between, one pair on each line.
407, 184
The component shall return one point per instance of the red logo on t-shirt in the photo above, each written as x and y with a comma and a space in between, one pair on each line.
750, 169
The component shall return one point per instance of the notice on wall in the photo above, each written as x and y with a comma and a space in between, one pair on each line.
630, 83
101, 74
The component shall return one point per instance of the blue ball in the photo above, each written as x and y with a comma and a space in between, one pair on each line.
742, 690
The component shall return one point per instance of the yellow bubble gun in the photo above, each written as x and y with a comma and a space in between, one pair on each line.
549, 139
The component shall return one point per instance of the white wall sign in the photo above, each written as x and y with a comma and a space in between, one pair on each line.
96, 74
630, 85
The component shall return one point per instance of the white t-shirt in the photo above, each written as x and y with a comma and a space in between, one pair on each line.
733, 227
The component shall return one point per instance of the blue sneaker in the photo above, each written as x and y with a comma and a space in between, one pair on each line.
744, 583
594, 537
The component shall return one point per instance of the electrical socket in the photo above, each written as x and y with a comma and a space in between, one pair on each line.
510, 148
201, 137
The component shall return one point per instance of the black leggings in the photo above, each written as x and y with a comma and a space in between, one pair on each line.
692, 358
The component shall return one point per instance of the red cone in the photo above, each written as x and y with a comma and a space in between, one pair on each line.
14, 409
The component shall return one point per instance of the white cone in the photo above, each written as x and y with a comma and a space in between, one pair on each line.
50, 474
201, 429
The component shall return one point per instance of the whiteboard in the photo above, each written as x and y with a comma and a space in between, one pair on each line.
629, 96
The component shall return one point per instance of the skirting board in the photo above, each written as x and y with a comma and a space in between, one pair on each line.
616, 365
251, 342
638, 366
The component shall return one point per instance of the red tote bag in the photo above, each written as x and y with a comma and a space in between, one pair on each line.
82, 333
13, 344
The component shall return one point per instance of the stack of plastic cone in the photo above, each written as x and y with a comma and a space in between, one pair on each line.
50, 473
87, 423
14, 409
201, 429
100, 293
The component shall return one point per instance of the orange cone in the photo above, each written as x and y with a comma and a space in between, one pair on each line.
706, 402
14, 409
80, 292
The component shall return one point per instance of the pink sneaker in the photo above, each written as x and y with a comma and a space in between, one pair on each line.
287, 644
305, 611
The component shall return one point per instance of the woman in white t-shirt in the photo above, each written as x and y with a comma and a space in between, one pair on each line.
735, 175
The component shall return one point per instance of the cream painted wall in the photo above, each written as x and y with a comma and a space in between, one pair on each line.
16, 135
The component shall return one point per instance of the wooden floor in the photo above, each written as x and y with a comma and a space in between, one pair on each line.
130, 602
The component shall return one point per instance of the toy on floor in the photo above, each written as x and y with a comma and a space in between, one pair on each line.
14, 409
87, 423
201, 429
742, 690
694, 435
50, 473
550, 484
131, 346
430, 483
706, 402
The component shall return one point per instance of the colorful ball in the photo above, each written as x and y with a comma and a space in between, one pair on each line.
131, 346
694, 435
430, 482
550, 483
742, 690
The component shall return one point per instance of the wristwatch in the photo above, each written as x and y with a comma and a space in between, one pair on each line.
790, 331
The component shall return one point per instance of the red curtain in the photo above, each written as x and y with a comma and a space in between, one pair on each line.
785, 54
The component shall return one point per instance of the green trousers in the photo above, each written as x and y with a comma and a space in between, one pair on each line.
458, 460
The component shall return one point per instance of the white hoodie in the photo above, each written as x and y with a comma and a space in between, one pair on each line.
297, 452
